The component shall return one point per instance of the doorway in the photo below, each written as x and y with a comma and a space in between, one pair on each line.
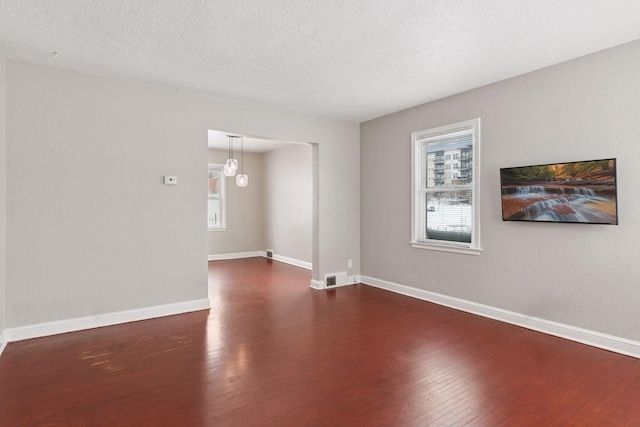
275, 211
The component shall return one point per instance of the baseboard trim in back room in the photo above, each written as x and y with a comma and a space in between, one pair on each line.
236, 255
292, 261
275, 257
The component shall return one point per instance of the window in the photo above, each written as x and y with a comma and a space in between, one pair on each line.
216, 209
445, 206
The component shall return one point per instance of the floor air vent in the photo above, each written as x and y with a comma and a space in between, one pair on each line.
331, 281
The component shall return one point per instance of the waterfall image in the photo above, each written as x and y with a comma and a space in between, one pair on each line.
582, 192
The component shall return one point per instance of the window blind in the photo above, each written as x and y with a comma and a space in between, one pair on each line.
446, 182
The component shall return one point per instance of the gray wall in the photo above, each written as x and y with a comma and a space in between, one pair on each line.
3, 167
90, 227
288, 185
245, 225
581, 275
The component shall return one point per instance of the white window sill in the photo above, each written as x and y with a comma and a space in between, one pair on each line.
217, 228
446, 248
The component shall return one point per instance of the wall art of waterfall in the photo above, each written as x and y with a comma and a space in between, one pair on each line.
578, 192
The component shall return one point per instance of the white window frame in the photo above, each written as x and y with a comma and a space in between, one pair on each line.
418, 139
223, 199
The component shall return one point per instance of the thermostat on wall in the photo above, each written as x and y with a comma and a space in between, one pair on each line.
170, 180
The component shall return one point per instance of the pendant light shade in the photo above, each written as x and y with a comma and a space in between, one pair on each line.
231, 165
242, 180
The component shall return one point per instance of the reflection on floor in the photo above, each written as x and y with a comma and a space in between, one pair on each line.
274, 352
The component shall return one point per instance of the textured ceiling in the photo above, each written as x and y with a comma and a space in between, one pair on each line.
348, 59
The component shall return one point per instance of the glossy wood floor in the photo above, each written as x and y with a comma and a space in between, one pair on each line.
273, 352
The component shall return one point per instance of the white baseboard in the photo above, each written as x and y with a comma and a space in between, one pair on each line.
254, 254
320, 285
237, 255
584, 336
291, 261
100, 320
3, 342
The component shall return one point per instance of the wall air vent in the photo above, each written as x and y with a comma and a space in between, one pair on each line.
269, 253
336, 279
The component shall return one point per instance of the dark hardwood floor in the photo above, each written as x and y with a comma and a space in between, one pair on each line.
273, 352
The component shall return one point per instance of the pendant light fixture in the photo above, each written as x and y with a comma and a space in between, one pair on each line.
231, 165
242, 180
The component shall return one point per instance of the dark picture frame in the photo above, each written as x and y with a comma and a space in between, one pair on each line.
583, 192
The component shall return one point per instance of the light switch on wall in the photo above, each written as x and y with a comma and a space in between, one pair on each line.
170, 180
